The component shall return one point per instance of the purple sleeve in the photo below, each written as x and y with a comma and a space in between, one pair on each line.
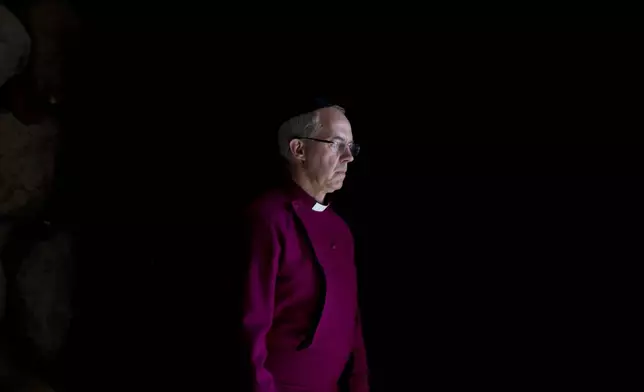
260, 298
359, 380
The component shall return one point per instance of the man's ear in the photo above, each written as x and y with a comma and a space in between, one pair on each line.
297, 149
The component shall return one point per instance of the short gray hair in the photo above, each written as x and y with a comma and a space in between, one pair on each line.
302, 126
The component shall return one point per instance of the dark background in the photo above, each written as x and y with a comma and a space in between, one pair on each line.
495, 203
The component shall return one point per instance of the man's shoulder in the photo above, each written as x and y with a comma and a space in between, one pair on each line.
270, 206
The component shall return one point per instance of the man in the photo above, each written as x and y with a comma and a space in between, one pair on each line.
14, 51
34, 257
301, 313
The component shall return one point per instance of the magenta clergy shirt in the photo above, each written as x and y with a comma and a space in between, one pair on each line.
301, 314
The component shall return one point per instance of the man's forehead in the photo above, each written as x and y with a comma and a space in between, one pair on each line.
336, 130
335, 125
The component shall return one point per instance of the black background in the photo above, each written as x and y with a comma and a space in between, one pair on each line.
495, 203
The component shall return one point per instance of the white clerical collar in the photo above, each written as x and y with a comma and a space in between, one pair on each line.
319, 207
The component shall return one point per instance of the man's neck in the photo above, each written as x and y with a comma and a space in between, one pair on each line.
309, 188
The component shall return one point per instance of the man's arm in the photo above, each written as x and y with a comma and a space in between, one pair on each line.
359, 380
259, 301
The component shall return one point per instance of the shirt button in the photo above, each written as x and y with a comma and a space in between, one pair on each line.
333, 246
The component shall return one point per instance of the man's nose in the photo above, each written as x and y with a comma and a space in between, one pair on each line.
347, 156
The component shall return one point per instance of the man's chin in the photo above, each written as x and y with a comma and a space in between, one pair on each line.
336, 186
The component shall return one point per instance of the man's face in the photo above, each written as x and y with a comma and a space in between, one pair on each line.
326, 164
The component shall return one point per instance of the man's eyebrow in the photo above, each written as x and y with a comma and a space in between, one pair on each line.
339, 138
